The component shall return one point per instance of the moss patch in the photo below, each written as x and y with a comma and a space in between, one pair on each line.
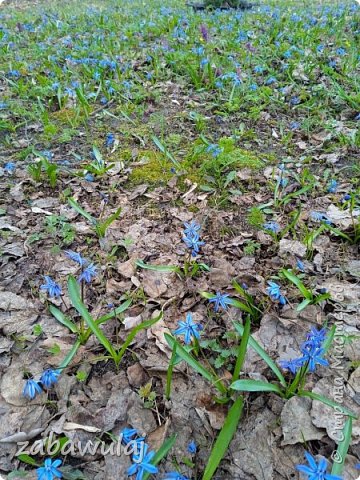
156, 169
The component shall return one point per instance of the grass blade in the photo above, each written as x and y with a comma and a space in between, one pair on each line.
81, 308
180, 350
161, 453
328, 401
261, 352
303, 304
329, 339
103, 226
242, 350
157, 268
169, 373
165, 151
224, 438
73, 203
296, 281
255, 386
120, 309
71, 354
342, 449
133, 333
63, 319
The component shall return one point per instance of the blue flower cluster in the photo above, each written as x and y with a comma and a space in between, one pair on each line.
47, 380
312, 353
87, 273
141, 457
275, 294
221, 300
192, 237
320, 217
50, 470
189, 329
316, 471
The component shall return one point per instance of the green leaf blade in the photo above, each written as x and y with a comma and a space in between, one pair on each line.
261, 352
63, 319
194, 363
327, 401
342, 449
255, 386
224, 438
81, 308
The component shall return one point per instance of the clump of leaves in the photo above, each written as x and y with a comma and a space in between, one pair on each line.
58, 226
220, 355
147, 395
255, 217
251, 247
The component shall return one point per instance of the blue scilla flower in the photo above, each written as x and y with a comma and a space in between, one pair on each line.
10, 167
316, 471
292, 365
214, 149
50, 470
272, 227
13, 74
274, 292
198, 51
88, 274
270, 81
300, 265
89, 177
53, 288
70, 92
141, 466
3, 105
320, 217
220, 300
313, 355
341, 51
110, 139
320, 48
76, 257
294, 125
333, 186
332, 63
137, 445
258, 69
49, 377
31, 389
317, 337
191, 229
192, 447
295, 100
253, 87
189, 329
283, 182
174, 476
194, 243
127, 435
